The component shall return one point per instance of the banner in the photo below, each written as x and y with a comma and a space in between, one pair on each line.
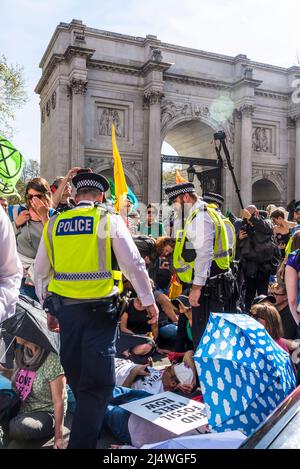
11, 165
170, 411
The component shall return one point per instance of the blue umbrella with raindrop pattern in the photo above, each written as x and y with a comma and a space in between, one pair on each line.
244, 374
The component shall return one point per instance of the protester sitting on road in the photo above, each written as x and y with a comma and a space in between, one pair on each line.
282, 306
164, 247
134, 320
184, 339
130, 429
179, 377
44, 397
268, 316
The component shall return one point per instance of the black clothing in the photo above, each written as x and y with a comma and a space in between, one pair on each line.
288, 322
87, 351
256, 254
200, 315
256, 251
281, 241
255, 286
137, 320
183, 342
64, 207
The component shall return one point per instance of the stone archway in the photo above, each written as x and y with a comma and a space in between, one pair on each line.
265, 192
131, 169
192, 139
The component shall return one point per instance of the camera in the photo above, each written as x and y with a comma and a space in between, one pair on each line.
220, 135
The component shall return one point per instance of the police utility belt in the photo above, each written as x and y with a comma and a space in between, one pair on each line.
220, 286
54, 303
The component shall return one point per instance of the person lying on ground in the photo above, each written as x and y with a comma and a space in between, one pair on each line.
178, 377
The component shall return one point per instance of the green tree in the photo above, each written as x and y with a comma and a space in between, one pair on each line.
12, 94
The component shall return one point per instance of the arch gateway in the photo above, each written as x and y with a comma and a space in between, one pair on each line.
155, 92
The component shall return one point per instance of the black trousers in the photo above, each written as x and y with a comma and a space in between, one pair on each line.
255, 286
87, 351
200, 316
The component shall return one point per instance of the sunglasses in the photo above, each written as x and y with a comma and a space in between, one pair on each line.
31, 196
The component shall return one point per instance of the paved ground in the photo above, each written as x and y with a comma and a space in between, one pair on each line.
159, 361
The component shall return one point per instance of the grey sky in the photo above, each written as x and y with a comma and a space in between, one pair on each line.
264, 30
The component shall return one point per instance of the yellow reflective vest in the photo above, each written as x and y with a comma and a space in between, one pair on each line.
79, 248
185, 269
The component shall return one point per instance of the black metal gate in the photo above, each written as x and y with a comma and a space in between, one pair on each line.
210, 179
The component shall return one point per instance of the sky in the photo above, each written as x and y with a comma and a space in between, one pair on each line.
265, 30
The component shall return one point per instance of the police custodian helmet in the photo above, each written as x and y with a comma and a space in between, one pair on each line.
90, 180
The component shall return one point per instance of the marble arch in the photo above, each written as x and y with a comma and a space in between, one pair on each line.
92, 78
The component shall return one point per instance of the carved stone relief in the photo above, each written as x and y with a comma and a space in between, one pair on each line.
53, 100
156, 55
107, 117
48, 108
262, 139
153, 96
77, 86
195, 111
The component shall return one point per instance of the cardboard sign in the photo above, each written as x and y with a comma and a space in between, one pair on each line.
170, 411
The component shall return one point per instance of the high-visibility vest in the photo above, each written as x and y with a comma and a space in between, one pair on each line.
288, 247
185, 269
79, 248
231, 234
231, 238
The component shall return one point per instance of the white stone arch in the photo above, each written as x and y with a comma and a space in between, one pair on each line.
131, 178
172, 123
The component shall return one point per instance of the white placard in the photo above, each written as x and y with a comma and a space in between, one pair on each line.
170, 411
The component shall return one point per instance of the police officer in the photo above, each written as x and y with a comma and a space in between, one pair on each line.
201, 254
215, 202
79, 263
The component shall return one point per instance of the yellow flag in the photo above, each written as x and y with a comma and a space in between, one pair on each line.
179, 178
121, 189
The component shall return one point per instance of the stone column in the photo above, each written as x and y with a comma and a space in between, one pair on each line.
297, 160
291, 179
246, 154
153, 97
78, 89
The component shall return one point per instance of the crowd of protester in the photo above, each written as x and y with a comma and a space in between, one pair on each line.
266, 260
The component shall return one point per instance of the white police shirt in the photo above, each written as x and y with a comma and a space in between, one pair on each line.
126, 252
11, 270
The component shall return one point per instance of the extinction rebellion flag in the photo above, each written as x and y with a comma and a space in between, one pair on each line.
11, 165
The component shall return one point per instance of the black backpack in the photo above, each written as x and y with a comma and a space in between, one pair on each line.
10, 403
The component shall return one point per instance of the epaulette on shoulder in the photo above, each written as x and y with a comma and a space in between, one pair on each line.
107, 208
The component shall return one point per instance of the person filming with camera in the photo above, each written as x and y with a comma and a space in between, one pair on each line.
257, 248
